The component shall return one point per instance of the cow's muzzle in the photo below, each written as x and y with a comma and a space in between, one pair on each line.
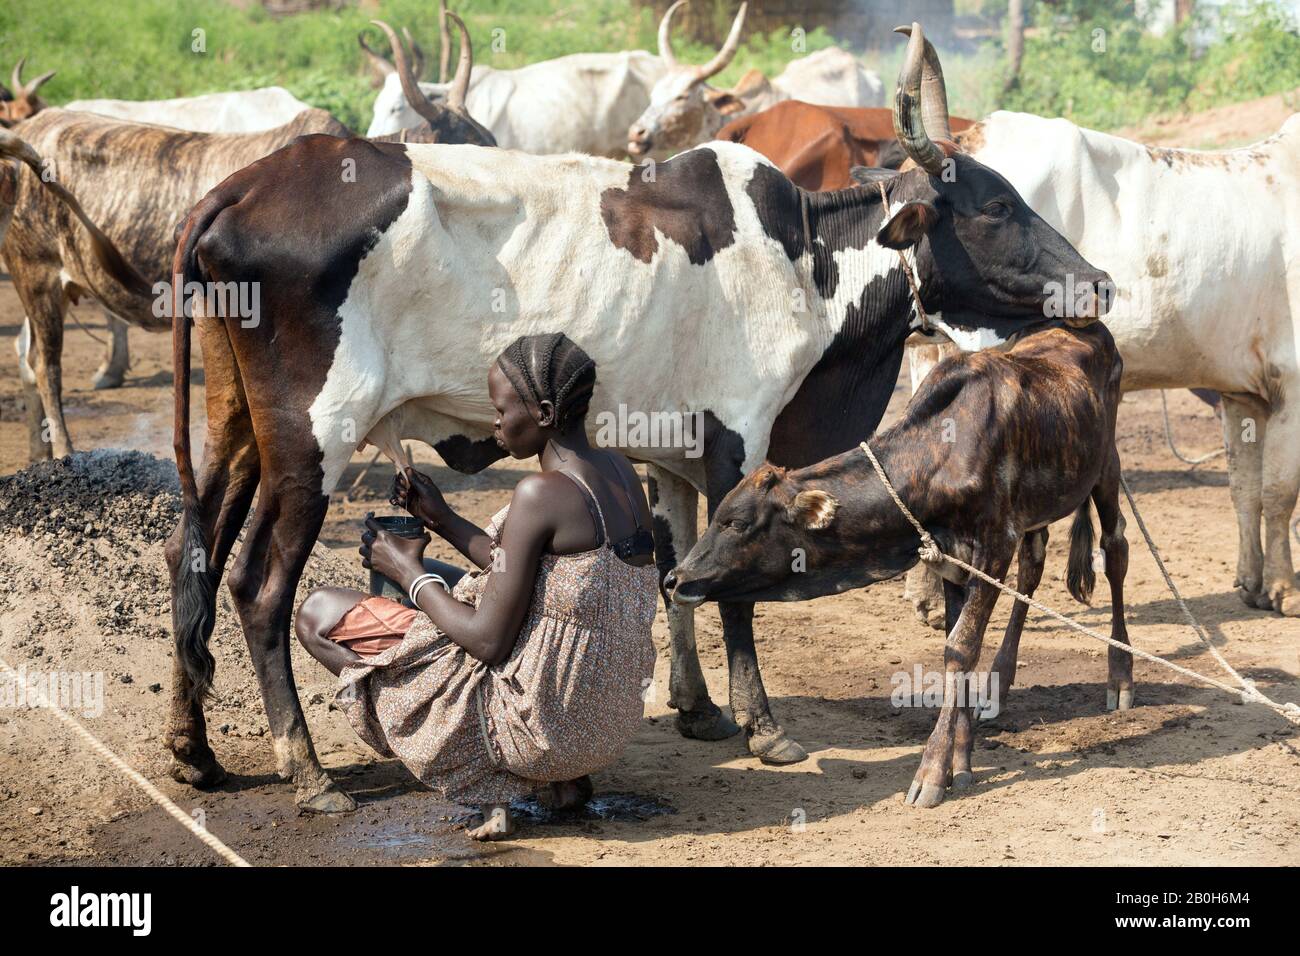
688, 593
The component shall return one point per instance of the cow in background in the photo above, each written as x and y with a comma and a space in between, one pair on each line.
685, 110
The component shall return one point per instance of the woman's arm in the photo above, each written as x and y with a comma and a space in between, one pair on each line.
489, 632
417, 493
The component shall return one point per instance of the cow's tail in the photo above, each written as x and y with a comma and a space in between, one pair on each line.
194, 591
1079, 576
106, 254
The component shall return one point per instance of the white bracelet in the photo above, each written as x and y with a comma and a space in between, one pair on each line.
421, 581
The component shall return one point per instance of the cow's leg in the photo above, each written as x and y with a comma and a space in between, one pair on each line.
749, 705
1281, 483
1119, 684
922, 586
117, 356
1029, 572
960, 655
290, 511
38, 448
1244, 427
226, 483
674, 504
44, 303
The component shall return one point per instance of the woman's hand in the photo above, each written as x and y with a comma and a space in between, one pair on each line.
417, 493
399, 559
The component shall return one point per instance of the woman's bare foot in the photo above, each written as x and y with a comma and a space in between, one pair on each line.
569, 794
497, 823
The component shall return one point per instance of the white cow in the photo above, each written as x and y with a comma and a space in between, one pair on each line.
1204, 249
684, 110
241, 111
582, 103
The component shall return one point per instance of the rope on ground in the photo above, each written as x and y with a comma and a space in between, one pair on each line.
1169, 440
158, 797
930, 553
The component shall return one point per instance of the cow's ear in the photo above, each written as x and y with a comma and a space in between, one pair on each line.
813, 509
724, 102
906, 227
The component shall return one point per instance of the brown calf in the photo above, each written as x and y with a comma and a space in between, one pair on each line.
992, 449
816, 146
22, 101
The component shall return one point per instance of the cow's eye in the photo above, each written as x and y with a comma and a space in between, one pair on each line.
735, 524
997, 211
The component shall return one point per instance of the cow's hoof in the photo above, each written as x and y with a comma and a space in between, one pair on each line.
924, 795
1288, 602
963, 780
707, 723
1248, 597
778, 749
329, 800
195, 764
107, 378
1119, 699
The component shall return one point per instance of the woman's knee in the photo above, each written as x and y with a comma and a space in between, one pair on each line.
321, 611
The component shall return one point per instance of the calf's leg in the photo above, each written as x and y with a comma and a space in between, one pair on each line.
1119, 685
960, 655
1029, 573
38, 449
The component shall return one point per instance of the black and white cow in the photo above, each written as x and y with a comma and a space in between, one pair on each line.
708, 285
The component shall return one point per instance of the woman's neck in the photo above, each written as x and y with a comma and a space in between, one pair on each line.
564, 448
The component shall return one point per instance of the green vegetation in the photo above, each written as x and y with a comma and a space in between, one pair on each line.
145, 49
1092, 62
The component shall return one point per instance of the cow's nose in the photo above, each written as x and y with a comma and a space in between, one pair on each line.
670, 582
637, 139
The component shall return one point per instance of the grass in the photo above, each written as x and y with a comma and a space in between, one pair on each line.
148, 49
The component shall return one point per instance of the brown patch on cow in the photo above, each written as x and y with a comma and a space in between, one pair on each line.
970, 139
1157, 265
685, 200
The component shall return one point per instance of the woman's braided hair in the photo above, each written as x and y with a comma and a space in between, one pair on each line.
551, 368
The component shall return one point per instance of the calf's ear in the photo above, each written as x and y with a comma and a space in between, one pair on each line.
813, 509
906, 227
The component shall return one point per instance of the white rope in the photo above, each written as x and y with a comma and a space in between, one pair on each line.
1169, 440
931, 554
158, 797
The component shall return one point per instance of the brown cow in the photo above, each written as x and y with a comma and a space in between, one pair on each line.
993, 448
816, 146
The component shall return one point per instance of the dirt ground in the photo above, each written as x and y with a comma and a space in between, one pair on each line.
1189, 776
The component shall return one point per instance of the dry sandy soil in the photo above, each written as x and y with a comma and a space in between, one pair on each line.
1190, 776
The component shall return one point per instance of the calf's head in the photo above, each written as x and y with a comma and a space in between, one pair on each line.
683, 109
984, 258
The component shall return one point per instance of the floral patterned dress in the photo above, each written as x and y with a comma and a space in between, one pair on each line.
564, 704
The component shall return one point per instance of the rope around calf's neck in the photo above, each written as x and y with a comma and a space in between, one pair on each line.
930, 553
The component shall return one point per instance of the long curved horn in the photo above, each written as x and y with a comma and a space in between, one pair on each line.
37, 83
934, 91
444, 43
416, 53
379, 64
909, 124
16, 80
460, 83
665, 35
728, 51
410, 88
